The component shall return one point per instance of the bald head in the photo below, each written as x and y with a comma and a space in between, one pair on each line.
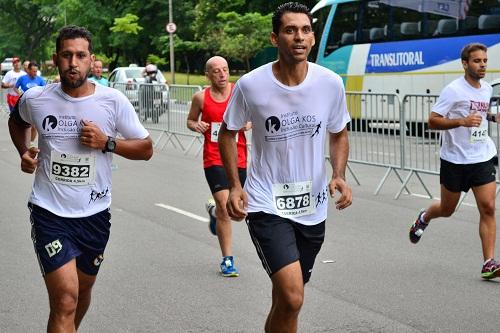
217, 72
214, 62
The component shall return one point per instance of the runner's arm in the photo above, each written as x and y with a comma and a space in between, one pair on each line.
339, 154
20, 133
237, 202
132, 149
438, 122
193, 120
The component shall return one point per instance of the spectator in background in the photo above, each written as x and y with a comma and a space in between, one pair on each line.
9, 82
26, 82
25, 66
151, 72
96, 75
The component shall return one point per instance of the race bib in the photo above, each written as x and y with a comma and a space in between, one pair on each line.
293, 199
72, 169
479, 134
214, 135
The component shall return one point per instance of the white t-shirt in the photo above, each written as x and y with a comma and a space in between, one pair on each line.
465, 145
72, 180
287, 175
11, 78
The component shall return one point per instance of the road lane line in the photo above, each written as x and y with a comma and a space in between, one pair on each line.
183, 212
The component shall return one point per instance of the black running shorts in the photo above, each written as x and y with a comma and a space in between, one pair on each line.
58, 240
280, 242
461, 177
217, 179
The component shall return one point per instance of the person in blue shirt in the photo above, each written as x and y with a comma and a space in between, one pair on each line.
97, 74
30, 80
25, 82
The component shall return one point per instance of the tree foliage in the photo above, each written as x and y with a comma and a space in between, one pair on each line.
243, 36
130, 31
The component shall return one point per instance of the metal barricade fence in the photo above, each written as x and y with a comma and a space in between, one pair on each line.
421, 145
153, 105
374, 131
4, 109
494, 131
180, 97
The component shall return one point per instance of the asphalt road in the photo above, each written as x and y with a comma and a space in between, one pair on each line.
160, 272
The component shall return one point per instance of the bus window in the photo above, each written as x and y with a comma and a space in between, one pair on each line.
375, 16
343, 29
408, 21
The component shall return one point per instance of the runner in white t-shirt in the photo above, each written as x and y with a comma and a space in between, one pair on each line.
462, 112
9, 83
78, 122
292, 104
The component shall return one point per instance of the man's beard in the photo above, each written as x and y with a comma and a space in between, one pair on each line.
65, 82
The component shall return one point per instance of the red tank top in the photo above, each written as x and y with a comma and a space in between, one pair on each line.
212, 114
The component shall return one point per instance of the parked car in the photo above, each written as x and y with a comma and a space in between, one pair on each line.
149, 100
6, 66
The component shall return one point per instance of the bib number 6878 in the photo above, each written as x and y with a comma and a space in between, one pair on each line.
293, 201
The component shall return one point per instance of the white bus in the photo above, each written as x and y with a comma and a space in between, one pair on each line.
385, 46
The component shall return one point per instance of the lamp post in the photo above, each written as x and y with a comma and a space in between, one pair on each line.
171, 29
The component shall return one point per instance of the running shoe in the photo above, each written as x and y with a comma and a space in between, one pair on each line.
227, 268
210, 207
491, 269
417, 229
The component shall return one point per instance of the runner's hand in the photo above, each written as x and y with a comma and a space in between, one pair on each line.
345, 200
92, 136
237, 203
201, 127
473, 120
29, 161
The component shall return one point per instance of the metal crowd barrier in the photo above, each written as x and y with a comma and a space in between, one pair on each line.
385, 131
420, 149
180, 97
375, 133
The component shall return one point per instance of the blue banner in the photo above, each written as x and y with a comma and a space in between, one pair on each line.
411, 55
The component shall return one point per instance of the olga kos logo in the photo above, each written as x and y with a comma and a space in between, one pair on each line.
272, 124
49, 123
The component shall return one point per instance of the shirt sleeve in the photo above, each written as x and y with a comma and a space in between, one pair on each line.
444, 102
127, 122
237, 111
18, 82
15, 114
339, 116
23, 113
6, 78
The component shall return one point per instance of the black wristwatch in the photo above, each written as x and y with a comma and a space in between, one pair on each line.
110, 145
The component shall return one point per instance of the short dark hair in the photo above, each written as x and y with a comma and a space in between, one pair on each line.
32, 64
469, 48
293, 7
73, 32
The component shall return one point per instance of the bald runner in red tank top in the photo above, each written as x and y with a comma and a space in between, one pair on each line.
213, 111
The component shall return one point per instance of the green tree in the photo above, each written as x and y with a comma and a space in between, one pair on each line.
124, 34
27, 26
244, 35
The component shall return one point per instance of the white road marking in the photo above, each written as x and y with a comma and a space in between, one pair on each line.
183, 212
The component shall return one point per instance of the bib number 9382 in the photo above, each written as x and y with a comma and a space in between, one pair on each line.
72, 169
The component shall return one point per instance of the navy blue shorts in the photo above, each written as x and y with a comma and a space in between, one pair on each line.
461, 177
57, 240
217, 179
280, 242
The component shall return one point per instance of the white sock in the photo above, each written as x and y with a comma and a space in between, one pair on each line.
422, 218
